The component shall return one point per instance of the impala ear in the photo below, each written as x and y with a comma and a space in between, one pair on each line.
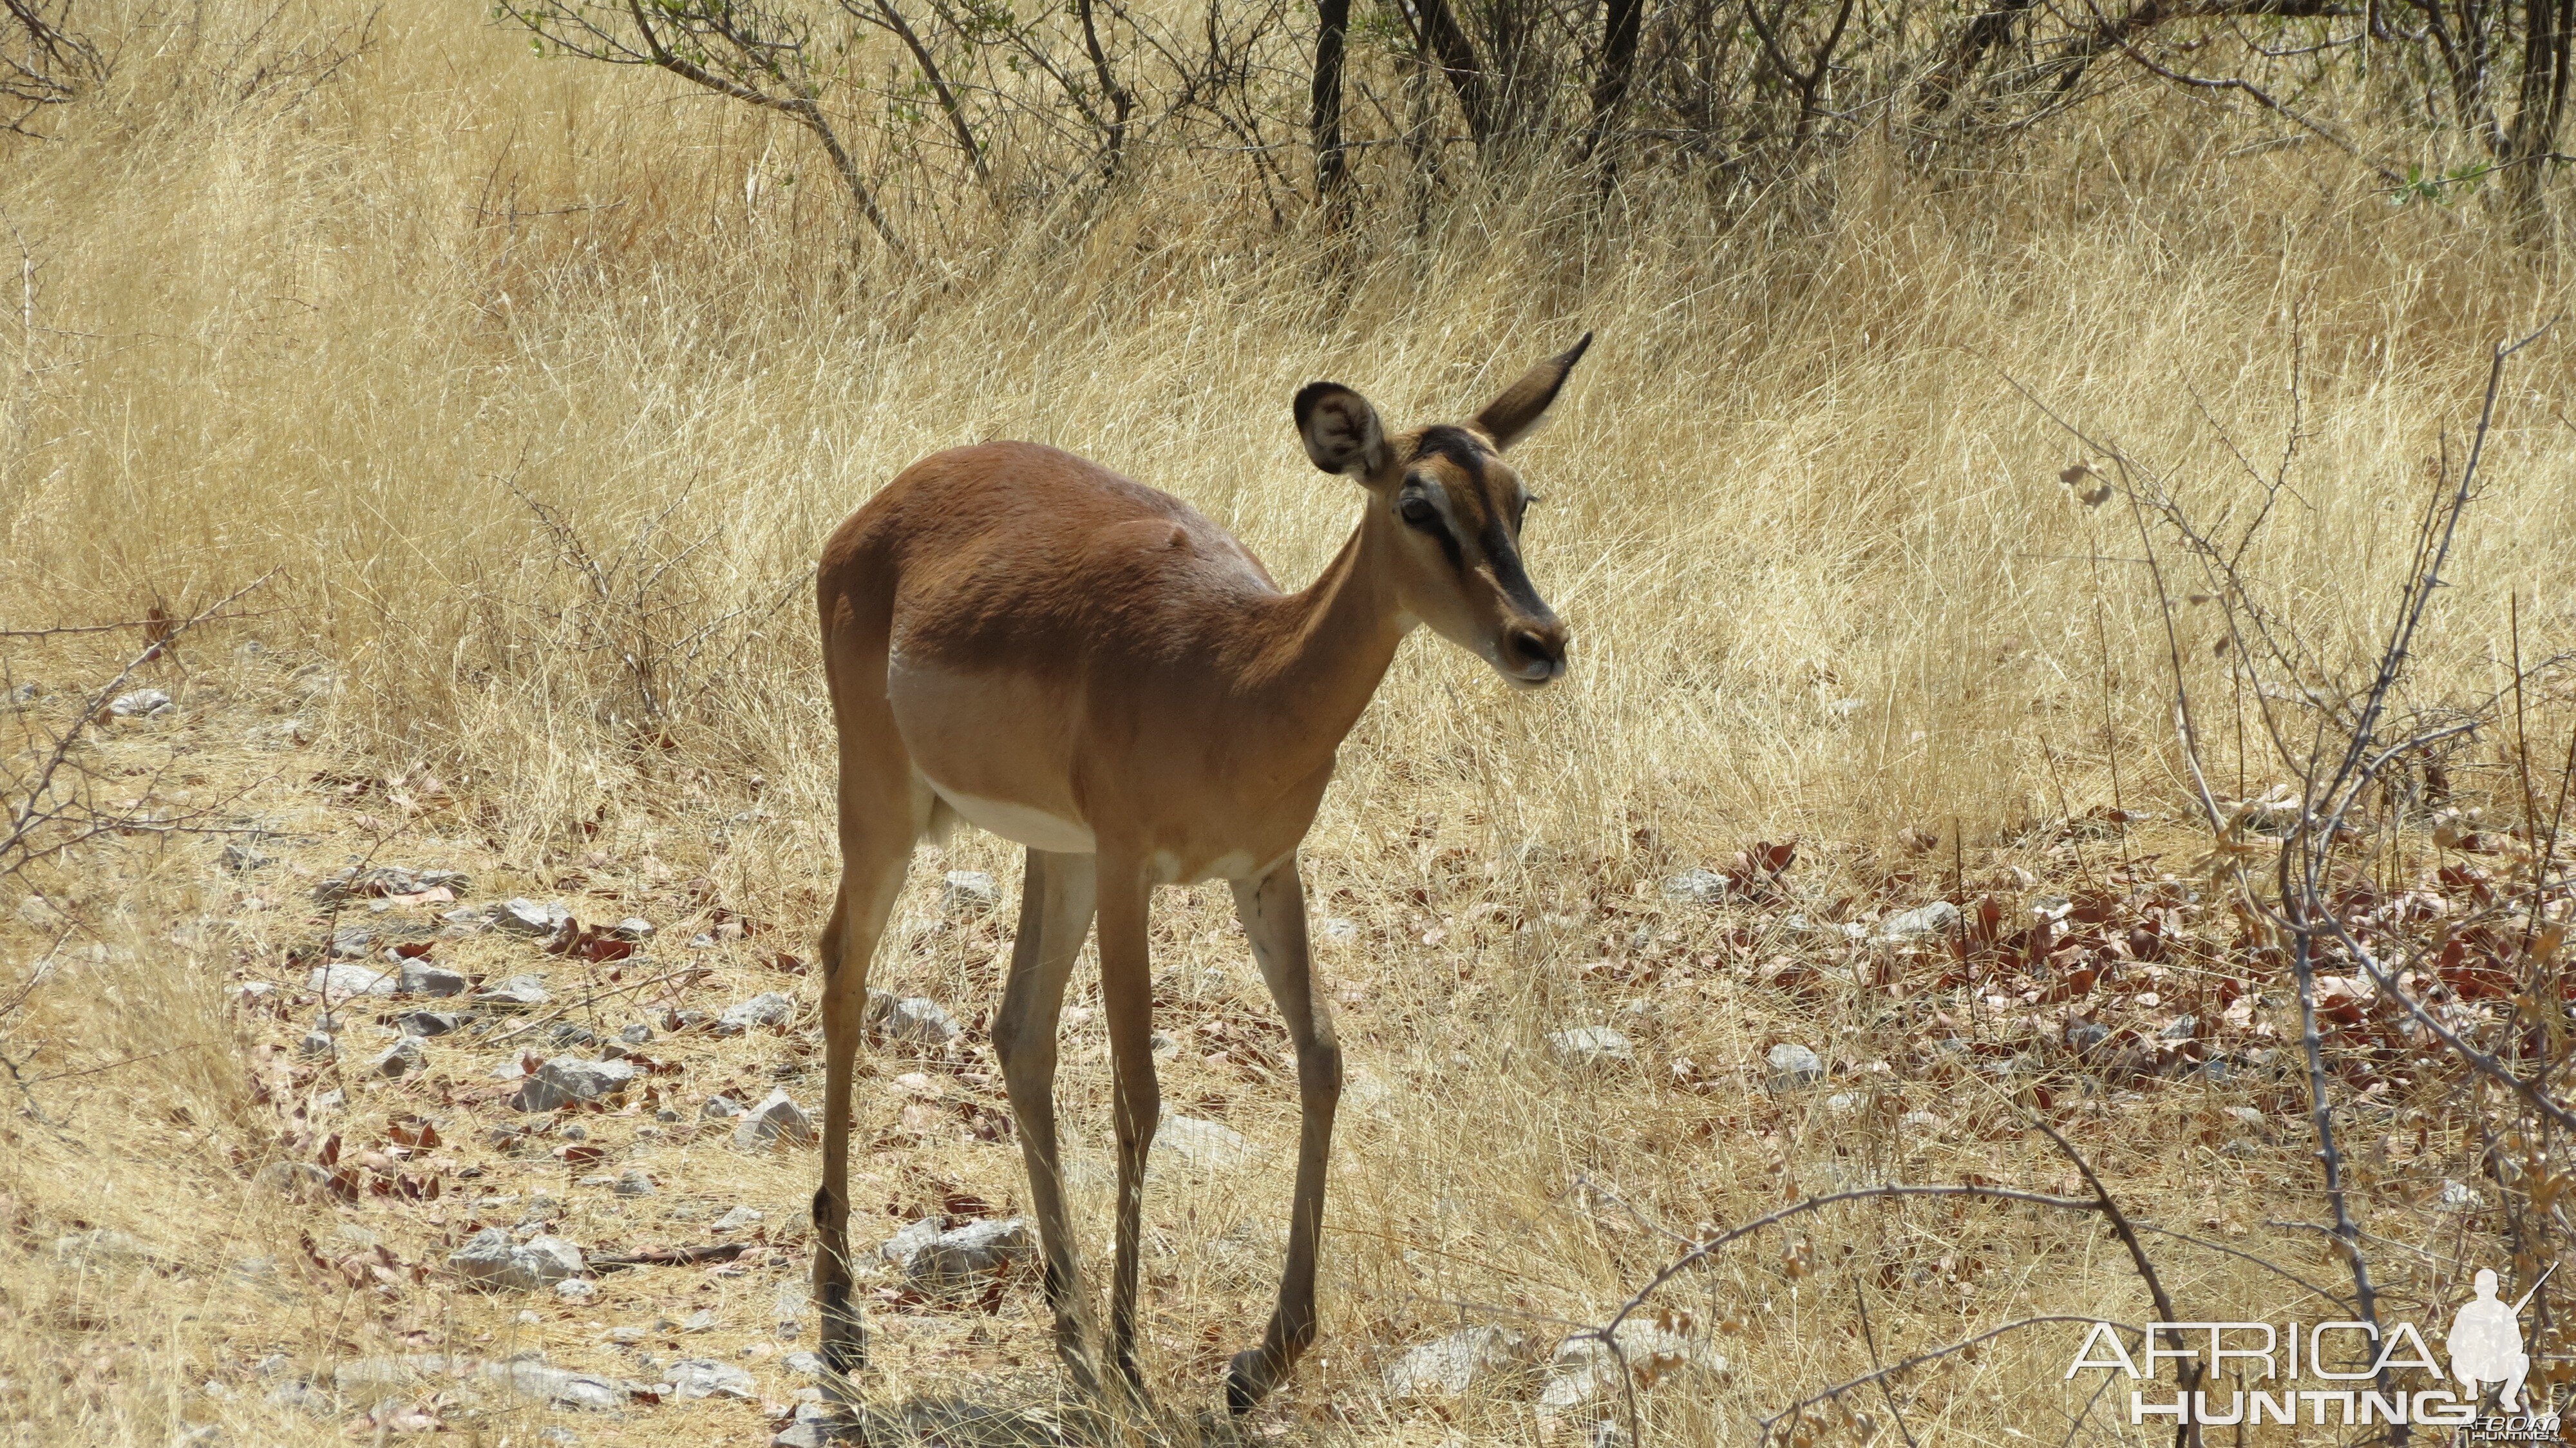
1340, 429
1514, 415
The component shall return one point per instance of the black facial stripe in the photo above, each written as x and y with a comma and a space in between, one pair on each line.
1510, 576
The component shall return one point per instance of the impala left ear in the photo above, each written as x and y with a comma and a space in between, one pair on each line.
1340, 429
1516, 414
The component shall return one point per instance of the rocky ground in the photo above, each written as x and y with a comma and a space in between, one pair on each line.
345, 1115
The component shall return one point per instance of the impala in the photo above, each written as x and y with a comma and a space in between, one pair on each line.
1021, 639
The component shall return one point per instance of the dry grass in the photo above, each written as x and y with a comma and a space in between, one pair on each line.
376, 324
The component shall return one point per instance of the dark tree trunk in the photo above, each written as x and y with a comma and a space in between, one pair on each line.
1450, 49
1332, 163
1618, 66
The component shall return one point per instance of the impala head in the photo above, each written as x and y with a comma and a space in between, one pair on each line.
1454, 509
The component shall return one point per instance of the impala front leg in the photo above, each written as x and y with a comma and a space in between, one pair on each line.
1127, 998
1273, 910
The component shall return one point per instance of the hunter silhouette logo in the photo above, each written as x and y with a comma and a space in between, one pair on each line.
2486, 1341
2252, 1374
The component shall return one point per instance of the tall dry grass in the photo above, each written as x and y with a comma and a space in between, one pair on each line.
542, 383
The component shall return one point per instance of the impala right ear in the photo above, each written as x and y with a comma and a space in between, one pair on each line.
1340, 429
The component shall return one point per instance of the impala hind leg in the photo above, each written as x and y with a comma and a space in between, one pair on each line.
880, 819
1055, 914
1273, 911
1127, 999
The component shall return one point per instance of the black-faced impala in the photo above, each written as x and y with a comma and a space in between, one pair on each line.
1026, 641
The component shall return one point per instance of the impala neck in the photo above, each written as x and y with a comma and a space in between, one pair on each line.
1334, 642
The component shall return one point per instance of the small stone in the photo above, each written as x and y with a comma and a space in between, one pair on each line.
918, 1020
567, 1079
2083, 1036
141, 704
419, 977
492, 1259
768, 1009
968, 892
702, 1320
1590, 1046
800, 1435
2459, 1197
1338, 930
339, 982
634, 1184
521, 992
2182, 1028
777, 1118
1585, 1370
628, 1336
317, 1046
462, 922
633, 927
242, 859
1793, 1065
428, 1023
527, 917
953, 1259
102, 1245
1912, 925
637, 1034
399, 1059
718, 1108
808, 1363
1696, 886
706, 1378
734, 1220
556, 1385
1450, 1365
899, 1248
575, 1289
352, 943
1202, 1143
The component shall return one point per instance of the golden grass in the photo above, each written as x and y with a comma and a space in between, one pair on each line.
373, 329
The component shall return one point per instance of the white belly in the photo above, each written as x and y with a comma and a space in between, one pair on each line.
1034, 828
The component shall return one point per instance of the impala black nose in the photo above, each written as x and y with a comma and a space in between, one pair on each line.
1534, 653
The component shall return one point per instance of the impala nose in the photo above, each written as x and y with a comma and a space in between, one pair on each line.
1534, 653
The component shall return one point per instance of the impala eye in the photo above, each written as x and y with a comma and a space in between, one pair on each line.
1417, 510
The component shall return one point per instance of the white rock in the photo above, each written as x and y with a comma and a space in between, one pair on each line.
1201, 1143
954, 1259
1585, 1370
1339, 931
419, 977
719, 1108
968, 892
1696, 886
519, 992
918, 1020
1793, 1065
141, 704
707, 1378
527, 917
493, 1260
1451, 1365
734, 1220
1930, 919
567, 1079
399, 1059
768, 1008
339, 982
1590, 1046
911, 1238
777, 1118
576, 1289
